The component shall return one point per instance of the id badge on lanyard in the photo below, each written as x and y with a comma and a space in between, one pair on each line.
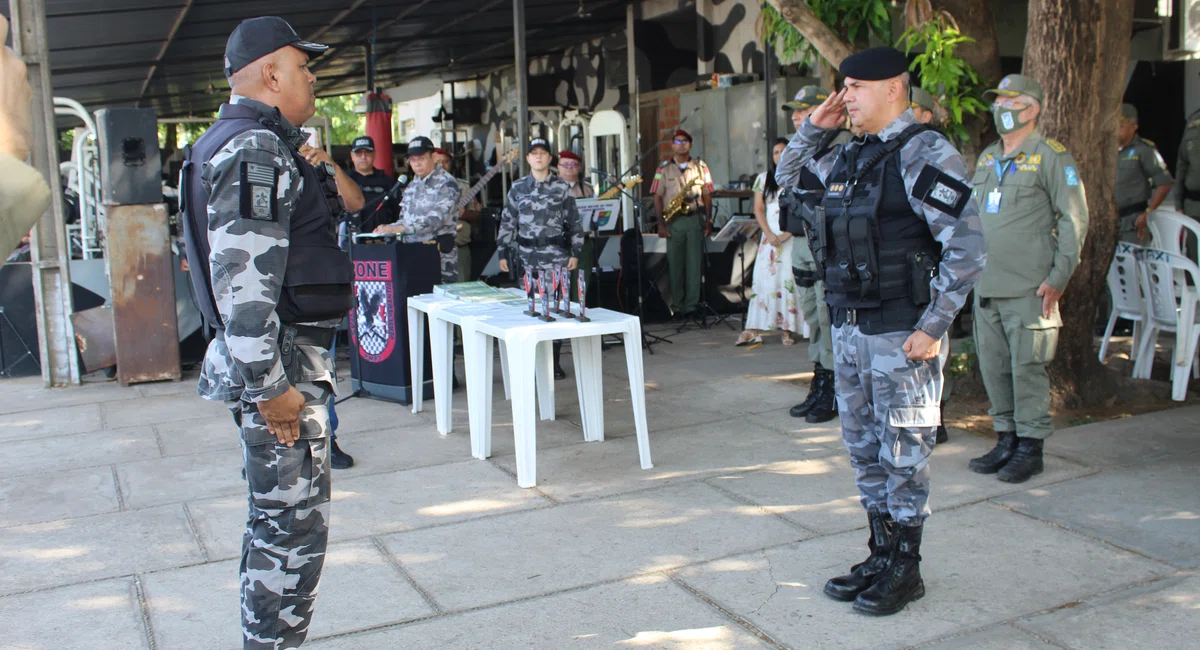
994, 197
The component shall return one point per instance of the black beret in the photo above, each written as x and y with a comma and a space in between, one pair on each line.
874, 64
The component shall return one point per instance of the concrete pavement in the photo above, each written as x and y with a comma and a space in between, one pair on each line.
122, 510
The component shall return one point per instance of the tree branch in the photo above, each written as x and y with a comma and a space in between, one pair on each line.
828, 44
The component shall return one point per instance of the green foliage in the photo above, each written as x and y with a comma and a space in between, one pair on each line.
851, 19
947, 77
960, 364
344, 123
185, 132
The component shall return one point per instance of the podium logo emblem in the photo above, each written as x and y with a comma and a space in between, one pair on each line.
374, 315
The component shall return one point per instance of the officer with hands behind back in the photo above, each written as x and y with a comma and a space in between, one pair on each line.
900, 245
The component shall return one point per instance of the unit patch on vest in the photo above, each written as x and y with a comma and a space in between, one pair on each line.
258, 200
836, 190
941, 191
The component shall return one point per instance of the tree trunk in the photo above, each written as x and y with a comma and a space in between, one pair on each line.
1078, 50
974, 18
828, 44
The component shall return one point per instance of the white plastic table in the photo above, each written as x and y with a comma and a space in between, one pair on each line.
526, 345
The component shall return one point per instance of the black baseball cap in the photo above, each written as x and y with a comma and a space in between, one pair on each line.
539, 143
420, 145
258, 37
363, 142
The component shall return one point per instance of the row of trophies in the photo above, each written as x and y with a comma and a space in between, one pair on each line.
558, 286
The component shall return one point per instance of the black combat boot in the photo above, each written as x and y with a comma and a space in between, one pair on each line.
800, 410
339, 459
991, 462
825, 407
942, 434
846, 588
559, 373
901, 583
1026, 462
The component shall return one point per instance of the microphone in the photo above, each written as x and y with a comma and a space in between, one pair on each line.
403, 179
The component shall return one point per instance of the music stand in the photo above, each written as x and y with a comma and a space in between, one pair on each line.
6, 368
739, 229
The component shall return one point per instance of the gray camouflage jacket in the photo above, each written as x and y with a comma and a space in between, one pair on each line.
541, 209
248, 260
963, 249
427, 208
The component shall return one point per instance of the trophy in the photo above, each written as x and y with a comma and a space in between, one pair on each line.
582, 298
564, 280
529, 293
556, 290
543, 290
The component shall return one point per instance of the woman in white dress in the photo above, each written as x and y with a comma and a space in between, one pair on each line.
773, 300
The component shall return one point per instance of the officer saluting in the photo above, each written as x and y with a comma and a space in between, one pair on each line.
275, 285
1035, 218
427, 209
1140, 169
900, 244
540, 222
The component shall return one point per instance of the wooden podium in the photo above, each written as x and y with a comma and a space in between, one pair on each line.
386, 274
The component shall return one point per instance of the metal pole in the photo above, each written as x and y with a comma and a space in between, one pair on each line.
635, 104
522, 71
770, 125
453, 130
50, 248
368, 55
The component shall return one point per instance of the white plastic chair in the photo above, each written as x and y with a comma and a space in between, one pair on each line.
1170, 308
1124, 283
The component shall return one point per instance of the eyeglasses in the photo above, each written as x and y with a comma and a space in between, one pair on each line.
682, 141
1011, 102
569, 165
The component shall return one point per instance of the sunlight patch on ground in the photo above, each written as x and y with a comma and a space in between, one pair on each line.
467, 507
103, 602
707, 638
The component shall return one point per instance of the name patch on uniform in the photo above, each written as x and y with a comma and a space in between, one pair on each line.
836, 189
1072, 175
257, 194
941, 191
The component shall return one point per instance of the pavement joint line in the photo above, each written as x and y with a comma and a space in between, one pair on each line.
144, 607
412, 582
733, 496
1080, 533
121, 507
738, 619
162, 450
191, 524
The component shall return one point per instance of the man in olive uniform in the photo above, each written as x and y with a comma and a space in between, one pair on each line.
686, 233
258, 216
1035, 217
1187, 195
1140, 169
540, 223
821, 403
900, 244
923, 106
427, 209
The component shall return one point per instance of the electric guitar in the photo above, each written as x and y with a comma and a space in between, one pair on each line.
478, 186
628, 183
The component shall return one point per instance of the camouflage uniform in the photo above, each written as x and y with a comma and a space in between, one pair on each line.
541, 210
888, 404
283, 548
427, 212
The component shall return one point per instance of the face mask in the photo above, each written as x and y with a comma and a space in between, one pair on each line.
1006, 119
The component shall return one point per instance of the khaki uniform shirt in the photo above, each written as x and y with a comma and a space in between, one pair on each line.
671, 178
582, 190
1034, 220
1187, 169
1140, 169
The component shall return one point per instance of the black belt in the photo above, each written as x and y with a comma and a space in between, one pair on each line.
805, 279
1136, 208
895, 317
541, 242
320, 337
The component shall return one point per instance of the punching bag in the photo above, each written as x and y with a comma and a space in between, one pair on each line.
379, 127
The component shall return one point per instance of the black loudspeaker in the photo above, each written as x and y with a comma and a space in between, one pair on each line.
468, 110
130, 166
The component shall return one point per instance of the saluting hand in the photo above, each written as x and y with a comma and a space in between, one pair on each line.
831, 113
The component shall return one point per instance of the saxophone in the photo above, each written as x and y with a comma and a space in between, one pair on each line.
678, 203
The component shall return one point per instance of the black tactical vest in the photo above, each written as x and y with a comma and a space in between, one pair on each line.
877, 254
317, 281
797, 206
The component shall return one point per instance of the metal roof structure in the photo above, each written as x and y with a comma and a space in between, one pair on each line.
168, 53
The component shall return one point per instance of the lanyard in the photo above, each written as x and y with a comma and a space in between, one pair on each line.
1001, 171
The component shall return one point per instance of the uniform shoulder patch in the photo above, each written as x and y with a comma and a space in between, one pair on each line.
941, 191
257, 195
1193, 123
665, 163
1149, 142
1055, 145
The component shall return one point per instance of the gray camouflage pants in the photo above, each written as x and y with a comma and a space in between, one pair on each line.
888, 406
283, 549
449, 266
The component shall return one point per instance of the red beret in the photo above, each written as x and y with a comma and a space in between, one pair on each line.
569, 155
443, 152
685, 134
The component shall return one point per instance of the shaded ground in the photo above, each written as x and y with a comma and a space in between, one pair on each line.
122, 510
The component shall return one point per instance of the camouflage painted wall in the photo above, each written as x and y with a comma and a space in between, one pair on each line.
729, 37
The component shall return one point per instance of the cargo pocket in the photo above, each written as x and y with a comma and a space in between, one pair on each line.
905, 443
1041, 332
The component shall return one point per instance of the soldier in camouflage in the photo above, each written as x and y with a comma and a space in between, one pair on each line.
540, 223
260, 214
427, 210
899, 258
